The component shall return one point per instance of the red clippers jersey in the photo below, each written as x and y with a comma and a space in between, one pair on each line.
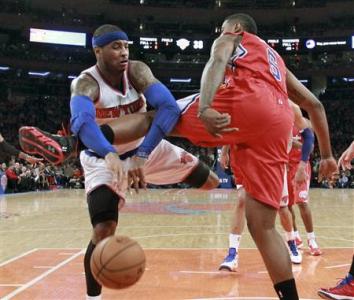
253, 58
295, 153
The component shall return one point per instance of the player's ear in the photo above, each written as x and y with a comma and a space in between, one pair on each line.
97, 50
238, 28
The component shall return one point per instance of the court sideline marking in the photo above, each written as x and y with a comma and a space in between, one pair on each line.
241, 298
40, 277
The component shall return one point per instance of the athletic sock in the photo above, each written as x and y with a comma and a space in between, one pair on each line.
296, 234
311, 235
92, 286
290, 236
286, 290
234, 241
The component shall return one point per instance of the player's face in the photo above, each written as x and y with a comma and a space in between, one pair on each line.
115, 55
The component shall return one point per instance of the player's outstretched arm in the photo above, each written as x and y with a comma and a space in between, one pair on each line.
305, 99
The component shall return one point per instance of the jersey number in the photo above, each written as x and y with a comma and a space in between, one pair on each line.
273, 64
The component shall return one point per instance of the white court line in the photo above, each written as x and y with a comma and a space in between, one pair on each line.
241, 298
10, 284
203, 272
294, 270
40, 277
42, 267
66, 249
337, 266
18, 257
66, 253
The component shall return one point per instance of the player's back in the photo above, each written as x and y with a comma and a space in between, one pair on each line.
253, 60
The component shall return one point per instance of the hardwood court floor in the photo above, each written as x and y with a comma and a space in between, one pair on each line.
184, 234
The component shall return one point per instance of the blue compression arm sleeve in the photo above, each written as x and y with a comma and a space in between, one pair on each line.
84, 125
166, 117
307, 145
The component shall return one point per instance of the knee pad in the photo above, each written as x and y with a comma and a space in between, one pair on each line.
198, 176
103, 205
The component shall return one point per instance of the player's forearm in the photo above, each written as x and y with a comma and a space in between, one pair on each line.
166, 117
306, 100
320, 126
212, 77
307, 145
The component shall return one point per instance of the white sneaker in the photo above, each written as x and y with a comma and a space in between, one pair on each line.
230, 262
295, 255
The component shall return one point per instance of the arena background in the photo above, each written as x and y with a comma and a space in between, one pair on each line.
184, 232
173, 38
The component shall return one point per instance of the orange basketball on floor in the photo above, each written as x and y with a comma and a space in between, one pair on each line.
117, 262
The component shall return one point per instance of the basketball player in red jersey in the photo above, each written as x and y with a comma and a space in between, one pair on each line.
244, 101
247, 79
230, 262
299, 177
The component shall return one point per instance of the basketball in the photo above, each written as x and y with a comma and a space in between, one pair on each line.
118, 262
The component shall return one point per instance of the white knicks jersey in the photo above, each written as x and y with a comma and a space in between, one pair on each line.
113, 103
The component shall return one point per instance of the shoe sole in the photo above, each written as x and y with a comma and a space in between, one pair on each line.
226, 268
30, 142
316, 253
296, 263
325, 295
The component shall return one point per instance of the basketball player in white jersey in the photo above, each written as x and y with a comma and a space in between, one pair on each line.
114, 87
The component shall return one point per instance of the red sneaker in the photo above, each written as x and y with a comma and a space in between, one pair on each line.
343, 291
54, 148
314, 249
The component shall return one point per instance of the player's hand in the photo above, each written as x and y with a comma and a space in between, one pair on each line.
327, 170
116, 166
225, 158
296, 143
301, 175
346, 158
215, 122
29, 158
136, 177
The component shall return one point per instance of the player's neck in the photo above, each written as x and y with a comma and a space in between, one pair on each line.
113, 77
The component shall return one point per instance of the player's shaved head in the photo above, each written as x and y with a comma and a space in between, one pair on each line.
246, 21
106, 28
